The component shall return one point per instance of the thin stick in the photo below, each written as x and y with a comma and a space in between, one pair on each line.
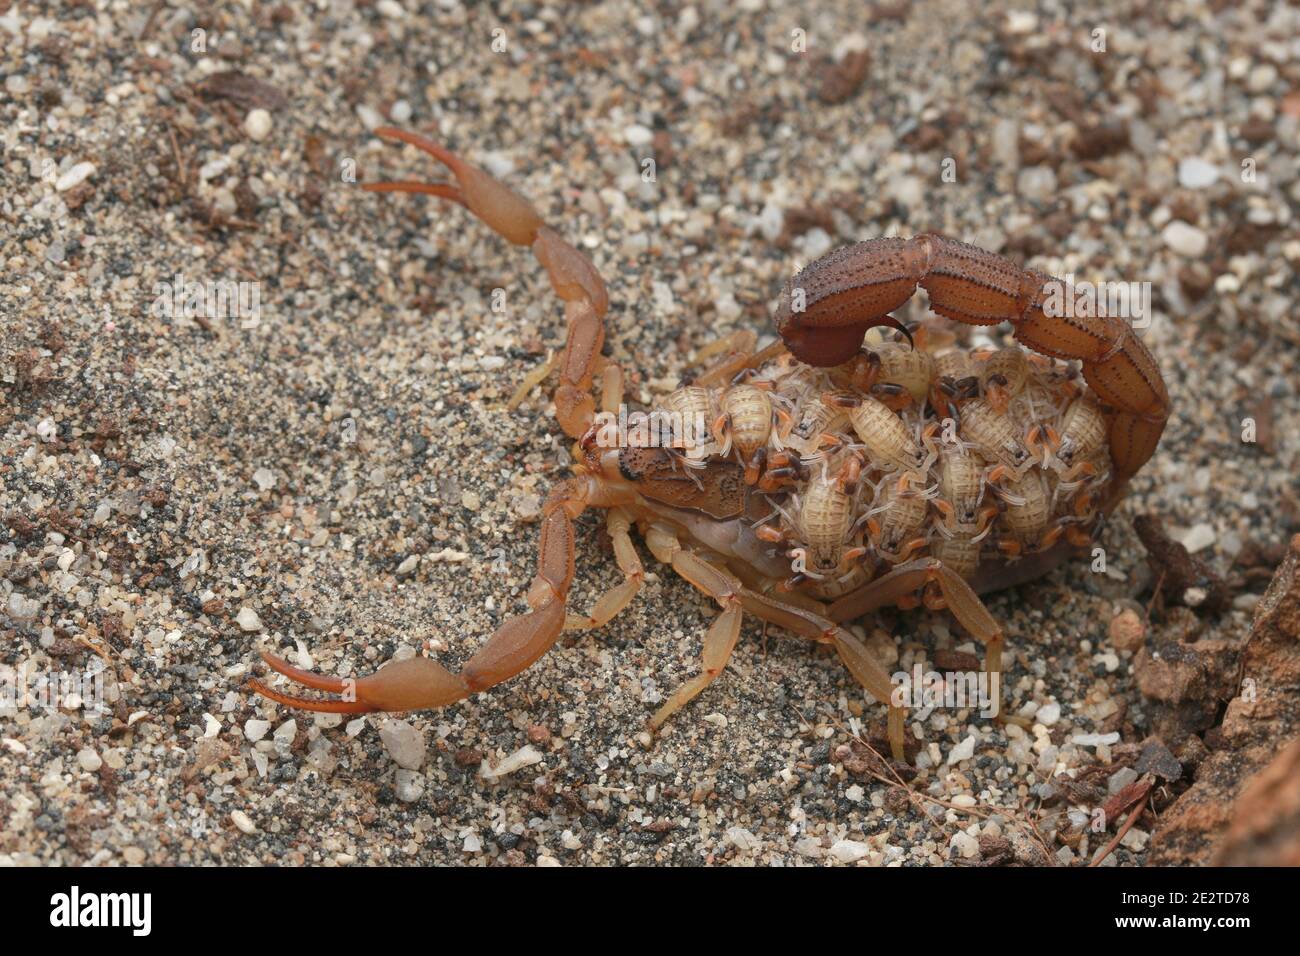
1110, 847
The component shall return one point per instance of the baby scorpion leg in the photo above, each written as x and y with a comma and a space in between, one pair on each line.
419, 683
572, 275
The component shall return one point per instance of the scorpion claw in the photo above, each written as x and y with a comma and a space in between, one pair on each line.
496, 204
413, 684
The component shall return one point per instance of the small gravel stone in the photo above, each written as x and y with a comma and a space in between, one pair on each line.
257, 124
963, 751
966, 845
255, 729
849, 851
408, 785
405, 744
636, 135
89, 760
743, 839
1185, 239
1196, 173
1198, 537
248, 620
75, 176
1120, 779
524, 757
241, 819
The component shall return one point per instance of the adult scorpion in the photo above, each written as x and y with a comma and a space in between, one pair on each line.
835, 476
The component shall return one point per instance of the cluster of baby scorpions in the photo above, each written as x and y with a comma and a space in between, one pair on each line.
832, 477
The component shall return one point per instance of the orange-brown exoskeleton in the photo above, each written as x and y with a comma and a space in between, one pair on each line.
837, 459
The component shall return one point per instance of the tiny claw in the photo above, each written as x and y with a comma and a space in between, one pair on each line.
889, 320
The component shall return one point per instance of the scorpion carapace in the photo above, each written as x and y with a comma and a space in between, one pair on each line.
827, 477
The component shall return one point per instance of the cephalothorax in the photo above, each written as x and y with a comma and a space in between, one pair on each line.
833, 477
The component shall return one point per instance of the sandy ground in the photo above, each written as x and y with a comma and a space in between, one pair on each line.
333, 474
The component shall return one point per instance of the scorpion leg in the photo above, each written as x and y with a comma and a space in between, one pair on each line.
618, 522
419, 683
573, 277
865, 669
957, 596
720, 639
732, 595
740, 357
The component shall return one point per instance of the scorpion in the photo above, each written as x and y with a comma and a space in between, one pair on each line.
841, 472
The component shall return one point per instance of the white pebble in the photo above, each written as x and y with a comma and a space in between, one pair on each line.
405, 744
816, 243
1198, 537
849, 851
369, 116
966, 845
963, 751
1036, 182
22, 608
809, 847
771, 222
1095, 740
89, 760
255, 729
248, 620
286, 732
1185, 239
75, 176
1049, 714
1196, 173
743, 839
524, 757
408, 785
637, 135
264, 478
240, 819
257, 124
